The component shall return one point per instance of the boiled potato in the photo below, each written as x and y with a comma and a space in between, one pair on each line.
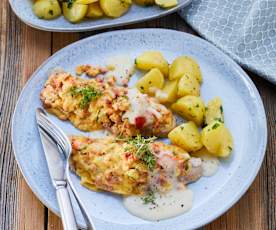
188, 86
85, 2
202, 152
166, 3
185, 65
152, 59
214, 111
47, 9
191, 108
94, 10
169, 93
115, 8
153, 80
74, 13
217, 139
186, 136
145, 2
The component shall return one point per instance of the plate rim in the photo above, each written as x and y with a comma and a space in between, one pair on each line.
243, 77
98, 27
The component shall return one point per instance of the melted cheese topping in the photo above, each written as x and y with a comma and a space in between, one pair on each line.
122, 68
142, 106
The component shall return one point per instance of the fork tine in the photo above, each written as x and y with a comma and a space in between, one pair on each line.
54, 131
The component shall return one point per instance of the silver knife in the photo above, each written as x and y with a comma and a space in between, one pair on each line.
57, 172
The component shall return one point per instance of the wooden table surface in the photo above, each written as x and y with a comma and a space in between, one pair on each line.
22, 50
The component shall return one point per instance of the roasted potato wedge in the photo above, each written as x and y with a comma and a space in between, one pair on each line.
115, 8
191, 108
185, 65
47, 9
217, 139
186, 136
214, 111
152, 59
153, 80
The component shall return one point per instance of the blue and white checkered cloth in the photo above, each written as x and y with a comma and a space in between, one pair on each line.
246, 30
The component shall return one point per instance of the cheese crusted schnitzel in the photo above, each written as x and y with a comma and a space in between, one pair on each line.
93, 104
132, 166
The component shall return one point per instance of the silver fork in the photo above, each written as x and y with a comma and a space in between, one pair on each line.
64, 145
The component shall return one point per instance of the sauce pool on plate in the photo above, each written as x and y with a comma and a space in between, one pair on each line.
171, 204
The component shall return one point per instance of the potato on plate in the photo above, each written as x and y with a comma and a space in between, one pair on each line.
191, 108
217, 139
152, 81
185, 65
186, 136
75, 12
47, 9
115, 8
94, 10
188, 86
152, 59
85, 2
169, 93
145, 2
166, 3
214, 111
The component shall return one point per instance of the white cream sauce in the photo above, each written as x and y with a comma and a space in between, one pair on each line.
122, 69
140, 106
168, 205
210, 165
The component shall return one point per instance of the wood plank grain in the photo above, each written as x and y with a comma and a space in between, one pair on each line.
54, 222
22, 50
36, 47
9, 90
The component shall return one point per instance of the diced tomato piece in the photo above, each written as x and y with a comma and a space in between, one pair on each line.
140, 122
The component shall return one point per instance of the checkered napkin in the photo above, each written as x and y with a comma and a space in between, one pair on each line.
244, 29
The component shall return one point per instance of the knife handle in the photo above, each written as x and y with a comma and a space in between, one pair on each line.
65, 205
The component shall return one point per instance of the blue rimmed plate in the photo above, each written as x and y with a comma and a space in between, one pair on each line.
23, 9
244, 116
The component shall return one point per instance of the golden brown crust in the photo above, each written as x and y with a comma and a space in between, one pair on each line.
104, 112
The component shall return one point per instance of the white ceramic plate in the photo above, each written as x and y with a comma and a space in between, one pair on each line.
244, 116
23, 9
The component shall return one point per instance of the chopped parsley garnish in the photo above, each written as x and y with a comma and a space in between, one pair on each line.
88, 94
149, 198
51, 12
221, 109
230, 148
219, 119
70, 3
142, 149
215, 126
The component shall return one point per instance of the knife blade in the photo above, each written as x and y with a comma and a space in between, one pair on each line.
54, 159
56, 167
